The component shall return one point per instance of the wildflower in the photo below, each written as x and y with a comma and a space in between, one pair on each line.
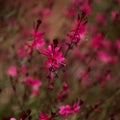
76, 107
54, 55
37, 39
76, 34
68, 110
118, 44
23, 69
12, 71
65, 110
97, 40
86, 8
33, 83
12, 118
104, 57
43, 116
100, 18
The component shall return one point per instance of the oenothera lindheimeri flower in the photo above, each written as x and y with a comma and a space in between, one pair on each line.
86, 8
12, 71
55, 57
101, 18
23, 69
43, 116
104, 57
76, 34
118, 44
97, 40
67, 110
36, 43
33, 83
37, 39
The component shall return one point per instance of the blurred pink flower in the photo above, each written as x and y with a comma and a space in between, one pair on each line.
21, 52
104, 57
47, 12
43, 116
12, 71
37, 40
114, 14
100, 18
97, 40
118, 44
86, 8
76, 107
68, 110
33, 83
23, 69
65, 110
12, 118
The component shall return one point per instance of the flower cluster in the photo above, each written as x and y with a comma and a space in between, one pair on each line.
67, 110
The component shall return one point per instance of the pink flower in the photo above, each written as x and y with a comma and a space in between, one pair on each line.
86, 8
114, 14
97, 40
100, 18
23, 69
71, 12
55, 58
68, 110
118, 44
76, 107
33, 83
43, 116
47, 12
65, 110
104, 57
38, 39
12, 71
77, 33
21, 52
12, 118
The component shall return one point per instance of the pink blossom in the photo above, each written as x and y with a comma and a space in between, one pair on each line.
100, 18
47, 12
104, 57
43, 116
76, 107
118, 44
86, 8
66, 88
38, 40
71, 12
97, 40
23, 69
12, 71
12, 118
106, 43
114, 14
21, 52
68, 110
33, 83
77, 33
55, 58
65, 110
